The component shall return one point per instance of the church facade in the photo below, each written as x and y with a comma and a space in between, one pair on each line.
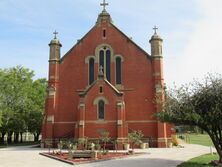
106, 82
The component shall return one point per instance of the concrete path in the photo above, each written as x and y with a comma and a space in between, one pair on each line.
153, 157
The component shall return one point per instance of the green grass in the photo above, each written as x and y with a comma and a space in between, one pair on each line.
201, 161
201, 139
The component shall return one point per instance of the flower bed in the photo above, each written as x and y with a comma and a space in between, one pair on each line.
64, 157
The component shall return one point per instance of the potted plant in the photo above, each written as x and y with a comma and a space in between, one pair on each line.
135, 137
104, 138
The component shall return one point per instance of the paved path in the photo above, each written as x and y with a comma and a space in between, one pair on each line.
153, 157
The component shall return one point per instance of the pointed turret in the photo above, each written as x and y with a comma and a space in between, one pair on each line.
156, 44
55, 45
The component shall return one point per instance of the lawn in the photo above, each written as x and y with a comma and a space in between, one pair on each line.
201, 139
201, 161
204, 160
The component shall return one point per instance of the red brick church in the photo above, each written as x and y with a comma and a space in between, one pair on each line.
105, 82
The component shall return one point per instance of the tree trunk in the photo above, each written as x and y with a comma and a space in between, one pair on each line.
216, 145
2, 138
21, 139
36, 137
9, 137
16, 137
220, 156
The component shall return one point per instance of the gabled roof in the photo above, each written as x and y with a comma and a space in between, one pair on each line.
148, 56
85, 92
129, 39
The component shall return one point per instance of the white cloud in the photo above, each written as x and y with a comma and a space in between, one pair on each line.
203, 51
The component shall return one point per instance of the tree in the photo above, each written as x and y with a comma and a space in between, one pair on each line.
36, 106
15, 86
197, 104
21, 103
135, 137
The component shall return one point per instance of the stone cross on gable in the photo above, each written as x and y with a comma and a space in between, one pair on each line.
55, 33
155, 28
104, 4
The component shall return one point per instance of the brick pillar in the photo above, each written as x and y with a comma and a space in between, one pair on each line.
51, 102
81, 121
157, 67
121, 136
119, 120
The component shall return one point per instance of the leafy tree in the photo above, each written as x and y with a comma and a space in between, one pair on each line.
197, 104
21, 102
36, 107
135, 137
14, 89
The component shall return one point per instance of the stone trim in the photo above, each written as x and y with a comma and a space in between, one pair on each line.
82, 123
89, 57
97, 99
120, 56
74, 122
51, 91
50, 119
97, 50
119, 122
142, 121
100, 121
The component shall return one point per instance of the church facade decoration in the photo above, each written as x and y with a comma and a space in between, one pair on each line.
105, 82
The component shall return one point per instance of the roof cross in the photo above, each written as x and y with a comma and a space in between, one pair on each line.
104, 4
155, 28
55, 33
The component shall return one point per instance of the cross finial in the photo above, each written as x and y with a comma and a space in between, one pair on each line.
55, 33
155, 28
104, 4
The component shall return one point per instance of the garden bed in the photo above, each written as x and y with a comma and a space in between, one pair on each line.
64, 157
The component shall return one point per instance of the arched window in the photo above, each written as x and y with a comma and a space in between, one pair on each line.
108, 59
91, 71
118, 71
101, 109
101, 59
105, 61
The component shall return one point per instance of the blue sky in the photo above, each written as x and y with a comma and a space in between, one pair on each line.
191, 31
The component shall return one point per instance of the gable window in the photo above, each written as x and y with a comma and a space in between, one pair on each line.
100, 89
105, 61
104, 33
101, 109
101, 59
91, 71
118, 71
108, 59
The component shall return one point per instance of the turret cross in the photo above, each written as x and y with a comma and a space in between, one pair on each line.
155, 28
55, 33
104, 4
